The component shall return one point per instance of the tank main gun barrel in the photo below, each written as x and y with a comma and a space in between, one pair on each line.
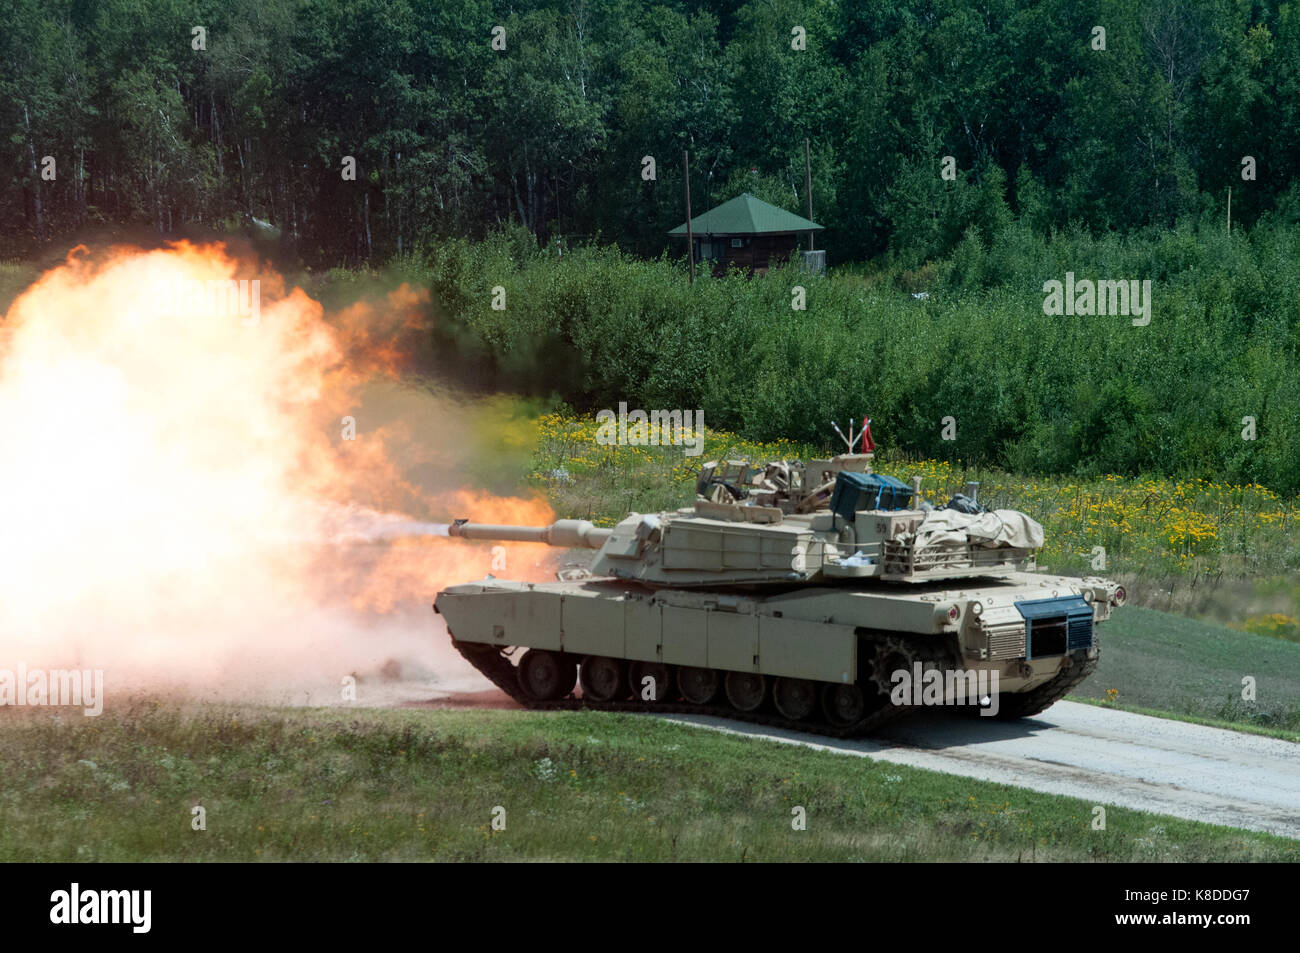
566, 533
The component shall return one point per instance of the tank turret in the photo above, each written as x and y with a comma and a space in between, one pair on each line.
790, 524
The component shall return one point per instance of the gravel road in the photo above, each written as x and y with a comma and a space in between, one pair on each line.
1096, 754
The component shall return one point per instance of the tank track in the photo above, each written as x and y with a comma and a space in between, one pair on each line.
1045, 695
493, 663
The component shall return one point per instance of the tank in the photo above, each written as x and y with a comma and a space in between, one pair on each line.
822, 597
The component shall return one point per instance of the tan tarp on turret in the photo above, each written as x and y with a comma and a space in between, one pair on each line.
994, 528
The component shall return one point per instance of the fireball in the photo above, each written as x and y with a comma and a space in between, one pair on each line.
179, 434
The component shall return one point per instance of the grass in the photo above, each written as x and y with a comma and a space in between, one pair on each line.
368, 785
1157, 663
1247, 729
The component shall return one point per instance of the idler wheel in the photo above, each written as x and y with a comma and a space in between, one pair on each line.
545, 676
699, 686
660, 687
795, 698
844, 705
745, 690
603, 679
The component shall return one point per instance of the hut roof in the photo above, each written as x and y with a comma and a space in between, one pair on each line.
746, 215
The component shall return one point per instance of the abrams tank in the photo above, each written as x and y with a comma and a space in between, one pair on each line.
822, 597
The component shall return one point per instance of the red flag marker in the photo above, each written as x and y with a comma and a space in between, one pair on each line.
868, 445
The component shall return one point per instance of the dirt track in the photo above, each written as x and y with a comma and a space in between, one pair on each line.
1102, 756
1096, 754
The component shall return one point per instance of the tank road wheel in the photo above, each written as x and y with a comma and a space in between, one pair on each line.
745, 690
699, 686
545, 676
660, 690
795, 698
844, 705
603, 679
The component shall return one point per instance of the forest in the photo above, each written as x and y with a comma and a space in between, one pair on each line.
503, 145
178, 116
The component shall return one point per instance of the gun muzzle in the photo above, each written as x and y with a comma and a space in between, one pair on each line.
570, 534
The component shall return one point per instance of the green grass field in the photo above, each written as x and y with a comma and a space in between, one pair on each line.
1169, 664
362, 785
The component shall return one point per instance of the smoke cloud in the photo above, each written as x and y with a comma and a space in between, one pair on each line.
182, 503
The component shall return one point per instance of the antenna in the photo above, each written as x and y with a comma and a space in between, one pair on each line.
851, 438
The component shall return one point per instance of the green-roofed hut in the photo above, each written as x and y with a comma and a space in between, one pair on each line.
747, 232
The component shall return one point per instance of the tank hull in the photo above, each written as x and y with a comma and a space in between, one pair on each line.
1027, 635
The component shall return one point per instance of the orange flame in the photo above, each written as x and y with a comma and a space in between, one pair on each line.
170, 469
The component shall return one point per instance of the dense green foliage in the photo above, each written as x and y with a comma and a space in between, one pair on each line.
1111, 163
452, 137
1029, 392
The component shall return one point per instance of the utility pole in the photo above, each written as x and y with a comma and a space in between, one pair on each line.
690, 237
807, 188
1230, 210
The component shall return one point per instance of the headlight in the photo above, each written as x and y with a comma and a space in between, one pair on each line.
1120, 596
946, 615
